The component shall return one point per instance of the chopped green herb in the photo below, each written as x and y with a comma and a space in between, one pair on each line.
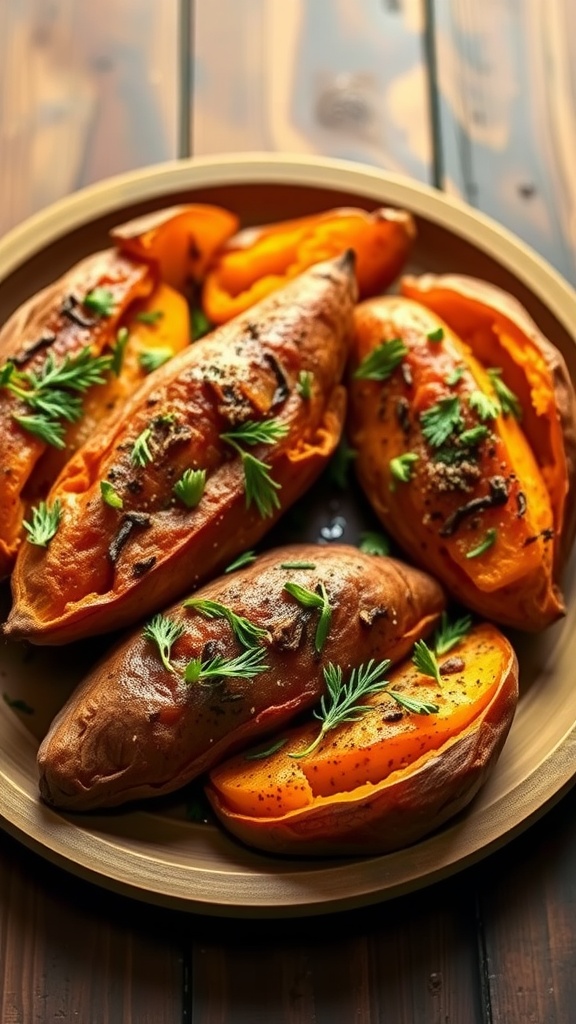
484, 545
304, 385
382, 361
200, 323
425, 661
372, 543
441, 420
417, 707
45, 523
118, 348
256, 432
509, 402
109, 495
151, 358
474, 436
245, 666
261, 490
340, 704
297, 565
100, 301
245, 559
320, 601
401, 467
436, 336
454, 376
149, 316
261, 755
449, 634
484, 406
163, 632
190, 487
245, 631
141, 454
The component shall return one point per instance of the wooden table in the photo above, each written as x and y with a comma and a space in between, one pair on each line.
479, 99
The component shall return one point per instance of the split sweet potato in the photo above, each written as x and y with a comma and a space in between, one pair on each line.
53, 325
390, 776
259, 260
195, 426
501, 333
180, 242
444, 460
136, 728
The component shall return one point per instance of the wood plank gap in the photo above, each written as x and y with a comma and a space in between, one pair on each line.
429, 41
187, 981
185, 59
483, 969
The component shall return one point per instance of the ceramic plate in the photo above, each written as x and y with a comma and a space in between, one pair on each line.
158, 853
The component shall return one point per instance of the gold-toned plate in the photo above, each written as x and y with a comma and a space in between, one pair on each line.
156, 853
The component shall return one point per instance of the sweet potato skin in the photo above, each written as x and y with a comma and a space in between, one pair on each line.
501, 333
407, 805
43, 326
133, 730
511, 582
105, 569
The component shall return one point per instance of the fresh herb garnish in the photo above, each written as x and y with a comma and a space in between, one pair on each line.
417, 707
244, 559
100, 301
473, 437
141, 454
448, 634
200, 323
441, 420
320, 601
484, 545
190, 487
45, 523
261, 490
425, 661
340, 704
382, 361
297, 565
47, 391
118, 349
260, 755
151, 358
149, 316
484, 406
436, 336
109, 495
304, 384
163, 632
245, 631
509, 402
245, 666
372, 543
454, 376
401, 467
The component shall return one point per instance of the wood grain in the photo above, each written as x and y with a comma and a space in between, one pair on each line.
86, 91
71, 952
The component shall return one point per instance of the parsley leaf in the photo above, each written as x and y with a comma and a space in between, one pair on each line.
382, 361
441, 420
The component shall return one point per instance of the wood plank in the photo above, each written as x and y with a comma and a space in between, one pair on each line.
262, 81
528, 908
414, 959
70, 951
86, 91
507, 111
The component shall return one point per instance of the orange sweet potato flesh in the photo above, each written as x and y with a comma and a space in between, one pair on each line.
457, 498
501, 333
106, 567
260, 260
55, 322
388, 779
133, 729
180, 241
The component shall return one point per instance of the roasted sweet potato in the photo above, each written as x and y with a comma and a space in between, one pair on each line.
136, 728
501, 333
257, 261
180, 241
253, 412
387, 778
53, 325
452, 477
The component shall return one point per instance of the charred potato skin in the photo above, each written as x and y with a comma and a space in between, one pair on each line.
246, 370
133, 730
398, 812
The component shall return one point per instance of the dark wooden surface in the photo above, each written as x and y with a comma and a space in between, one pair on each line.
123, 83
